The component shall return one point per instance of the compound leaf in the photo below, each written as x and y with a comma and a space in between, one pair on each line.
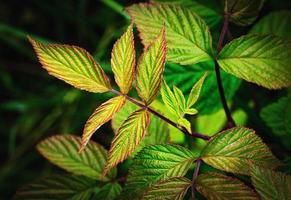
235, 149
170, 189
123, 61
100, 116
188, 37
59, 187
73, 65
242, 12
62, 150
150, 68
270, 184
155, 163
128, 137
261, 59
218, 186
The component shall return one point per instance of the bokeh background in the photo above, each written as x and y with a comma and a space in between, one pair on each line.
34, 105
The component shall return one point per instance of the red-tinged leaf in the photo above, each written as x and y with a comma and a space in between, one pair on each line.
73, 65
123, 61
150, 68
101, 115
129, 136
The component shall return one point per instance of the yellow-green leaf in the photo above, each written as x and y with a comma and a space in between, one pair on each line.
261, 59
169, 99
101, 115
150, 68
129, 136
185, 123
235, 149
62, 150
195, 91
73, 65
188, 37
215, 186
180, 98
123, 61
170, 189
270, 184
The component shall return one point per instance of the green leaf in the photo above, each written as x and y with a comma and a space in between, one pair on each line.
73, 65
58, 187
206, 10
195, 91
191, 111
180, 98
185, 123
217, 186
170, 189
108, 192
62, 150
185, 77
157, 132
270, 184
278, 117
156, 163
261, 59
235, 149
150, 68
243, 12
123, 61
188, 37
100, 116
276, 23
169, 99
129, 136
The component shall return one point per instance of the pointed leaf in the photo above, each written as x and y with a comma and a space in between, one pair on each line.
100, 116
191, 111
169, 99
270, 184
170, 189
62, 150
150, 69
242, 12
180, 98
156, 163
188, 37
261, 59
185, 123
195, 91
59, 187
73, 65
123, 61
217, 186
276, 23
235, 149
185, 77
129, 136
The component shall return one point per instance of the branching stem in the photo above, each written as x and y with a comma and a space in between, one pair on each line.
224, 30
167, 120
194, 177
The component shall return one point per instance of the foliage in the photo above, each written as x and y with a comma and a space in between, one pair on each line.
159, 92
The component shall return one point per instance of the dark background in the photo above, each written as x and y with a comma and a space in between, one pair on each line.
34, 105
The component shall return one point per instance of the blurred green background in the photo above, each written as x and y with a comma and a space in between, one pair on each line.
34, 105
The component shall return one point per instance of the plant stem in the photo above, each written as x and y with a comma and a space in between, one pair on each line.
195, 174
167, 120
116, 7
224, 30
